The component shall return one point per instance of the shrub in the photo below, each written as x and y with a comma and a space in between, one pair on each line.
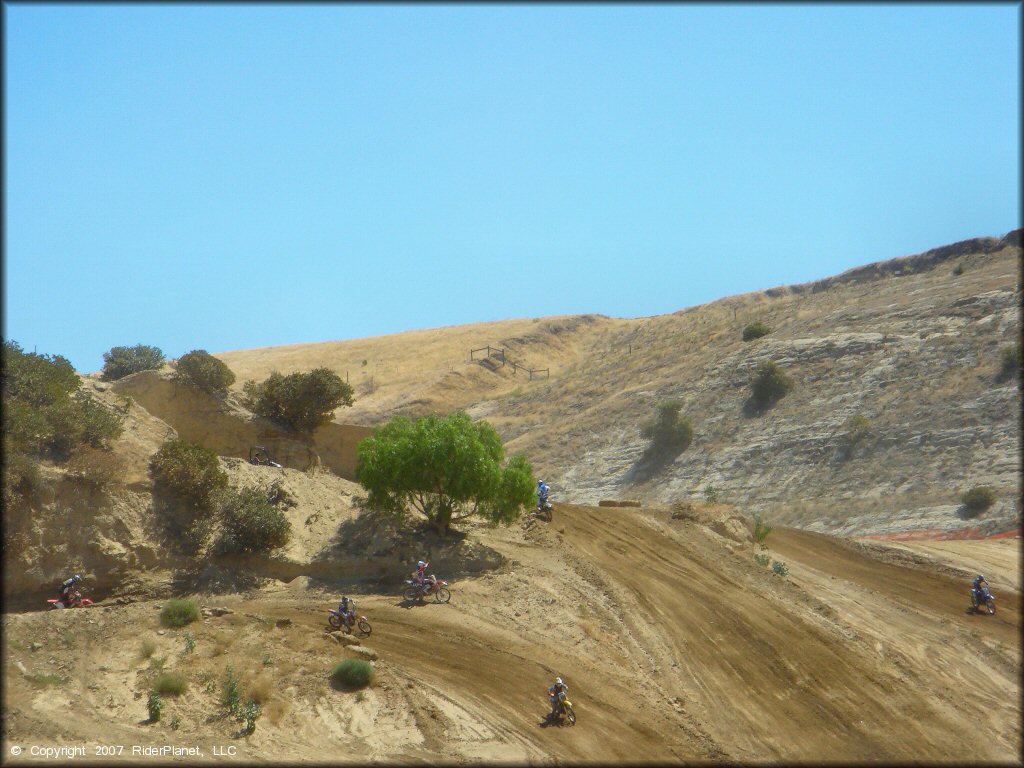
178, 613
978, 499
1010, 362
779, 568
353, 673
123, 361
229, 694
251, 523
154, 706
96, 467
855, 430
755, 330
711, 494
669, 430
250, 713
762, 559
769, 385
170, 684
190, 644
203, 371
761, 530
188, 472
147, 648
958, 269
299, 401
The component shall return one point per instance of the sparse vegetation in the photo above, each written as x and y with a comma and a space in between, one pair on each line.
147, 648
854, 431
978, 499
250, 713
154, 705
761, 530
229, 693
446, 469
300, 402
170, 684
779, 568
353, 673
669, 432
762, 559
711, 494
96, 467
755, 330
251, 523
1010, 362
769, 385
178, 613
44, 680
190, 643
124, 361
958, 269
203, 371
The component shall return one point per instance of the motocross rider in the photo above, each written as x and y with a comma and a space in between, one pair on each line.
553, 692
421, 575
347, 609
67, 589
976, 587
542, 494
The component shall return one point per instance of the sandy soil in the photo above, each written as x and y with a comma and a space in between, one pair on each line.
677, 646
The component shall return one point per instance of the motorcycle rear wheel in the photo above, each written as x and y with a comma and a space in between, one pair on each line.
334, 621
413, 594
364, 627
442, 595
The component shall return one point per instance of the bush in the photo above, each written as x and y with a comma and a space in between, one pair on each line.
755, 330
178, 613
353, 673
762, 559
203, 371
154, 706
779, 568
250, 713
1010, 362
711, 494
855, 430
978, 499
170, 684
958, 269
252, 523
123, 361
761, 530
229, 694
97, 468
300, 402
769, 385
189, 473
668, 431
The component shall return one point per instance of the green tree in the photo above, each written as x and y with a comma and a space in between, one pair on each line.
188, 485
122, 361
446, 469
203, 371
299, 401
669, 431
252, 523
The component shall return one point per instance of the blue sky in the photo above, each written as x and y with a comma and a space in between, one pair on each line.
227, 176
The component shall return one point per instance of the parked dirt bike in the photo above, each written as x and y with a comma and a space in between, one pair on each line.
336, 620
984, 603
564, 713
439, 590
76, 601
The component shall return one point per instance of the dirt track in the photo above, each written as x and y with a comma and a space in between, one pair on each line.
676, 646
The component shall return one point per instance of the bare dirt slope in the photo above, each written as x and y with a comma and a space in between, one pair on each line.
676, 645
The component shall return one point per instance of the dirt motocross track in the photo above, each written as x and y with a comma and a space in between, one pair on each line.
676, 645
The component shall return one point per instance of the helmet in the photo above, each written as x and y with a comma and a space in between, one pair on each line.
420, 564
76, 577
344, 599
558, 681
980, 577
540, 482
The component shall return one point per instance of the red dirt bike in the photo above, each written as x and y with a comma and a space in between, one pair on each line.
76, 601
438, 588
336, 620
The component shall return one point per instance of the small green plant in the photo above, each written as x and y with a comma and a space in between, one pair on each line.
779, 568
170, 684
360, 696
190, 643
762, 559
154, 705
175, 723
711, 494
768, 386
229, 694
268, 660
250, 713
178, 613
353, 673
203, 371
668, 431
123, 361
958, 269
755, 330
147, 648
156, 663
761, 530
208, 681
978, 499
44, 680
855, 430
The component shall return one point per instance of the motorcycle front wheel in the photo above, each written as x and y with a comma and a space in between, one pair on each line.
442, 595
991, 608
364, 627
570, 716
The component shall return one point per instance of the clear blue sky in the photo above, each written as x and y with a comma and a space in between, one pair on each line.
228, 176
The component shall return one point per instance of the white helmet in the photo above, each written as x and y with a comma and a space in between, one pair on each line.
420, 564
558, 681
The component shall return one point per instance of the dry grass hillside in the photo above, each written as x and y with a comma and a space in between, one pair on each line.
681, 639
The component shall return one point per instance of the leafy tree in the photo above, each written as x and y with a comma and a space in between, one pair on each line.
669, 431
299, 401
203, 371
755, 330
446, 469
769, 385
188, 484
252, 523
122, 361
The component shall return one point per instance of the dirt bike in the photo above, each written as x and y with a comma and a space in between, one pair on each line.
336, 620
983, 604
564, 713
544, 509
438, 589
76, 601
